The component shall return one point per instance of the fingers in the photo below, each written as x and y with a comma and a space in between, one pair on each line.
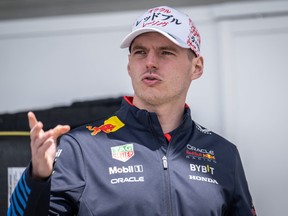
40, 139
32, 119
35, 127
45, 146
37, 134
60, 130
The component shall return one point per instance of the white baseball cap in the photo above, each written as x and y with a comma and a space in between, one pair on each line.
171, 23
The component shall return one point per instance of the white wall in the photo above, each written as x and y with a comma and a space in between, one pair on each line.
242, 94
254, 77
54, 61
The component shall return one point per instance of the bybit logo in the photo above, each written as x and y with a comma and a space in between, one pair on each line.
202, 168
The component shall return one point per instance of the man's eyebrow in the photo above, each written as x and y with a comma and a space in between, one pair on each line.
137, 47
171, 48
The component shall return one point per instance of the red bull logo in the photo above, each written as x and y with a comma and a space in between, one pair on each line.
209, 156
110, 125
200, 153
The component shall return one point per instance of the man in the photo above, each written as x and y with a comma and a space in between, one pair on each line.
150, 158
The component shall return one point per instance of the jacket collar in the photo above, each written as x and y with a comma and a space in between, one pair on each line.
142, 119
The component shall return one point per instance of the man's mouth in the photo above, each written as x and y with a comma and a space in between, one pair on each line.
151, 80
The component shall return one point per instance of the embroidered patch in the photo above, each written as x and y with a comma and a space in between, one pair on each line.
122, 153
110, 125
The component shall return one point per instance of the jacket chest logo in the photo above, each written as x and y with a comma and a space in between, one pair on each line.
123, 152
200, 153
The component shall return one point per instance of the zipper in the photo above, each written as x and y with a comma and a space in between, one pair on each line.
167, 187
165, 162
167, 192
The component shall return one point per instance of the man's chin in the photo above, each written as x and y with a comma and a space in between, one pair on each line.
152, 99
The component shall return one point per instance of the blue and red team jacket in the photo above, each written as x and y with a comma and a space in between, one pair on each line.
125, 165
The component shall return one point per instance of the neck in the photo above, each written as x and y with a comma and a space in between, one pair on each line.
169, 115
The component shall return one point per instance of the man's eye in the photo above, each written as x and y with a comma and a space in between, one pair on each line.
139, 52
167, 53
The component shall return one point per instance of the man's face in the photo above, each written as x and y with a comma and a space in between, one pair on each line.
161, 71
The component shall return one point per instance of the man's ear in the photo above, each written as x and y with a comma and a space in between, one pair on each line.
197, 67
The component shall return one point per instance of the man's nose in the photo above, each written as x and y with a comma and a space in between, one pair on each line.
152, 60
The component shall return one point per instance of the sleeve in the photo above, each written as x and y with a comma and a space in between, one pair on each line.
242, 200
57, 195
30, 197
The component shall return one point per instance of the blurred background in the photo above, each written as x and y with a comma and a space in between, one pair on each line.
58, 52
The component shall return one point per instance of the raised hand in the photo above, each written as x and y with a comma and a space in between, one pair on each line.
43, 146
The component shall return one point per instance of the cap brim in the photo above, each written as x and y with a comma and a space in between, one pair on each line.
126, 42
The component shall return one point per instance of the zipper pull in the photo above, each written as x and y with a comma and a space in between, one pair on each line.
165, 162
